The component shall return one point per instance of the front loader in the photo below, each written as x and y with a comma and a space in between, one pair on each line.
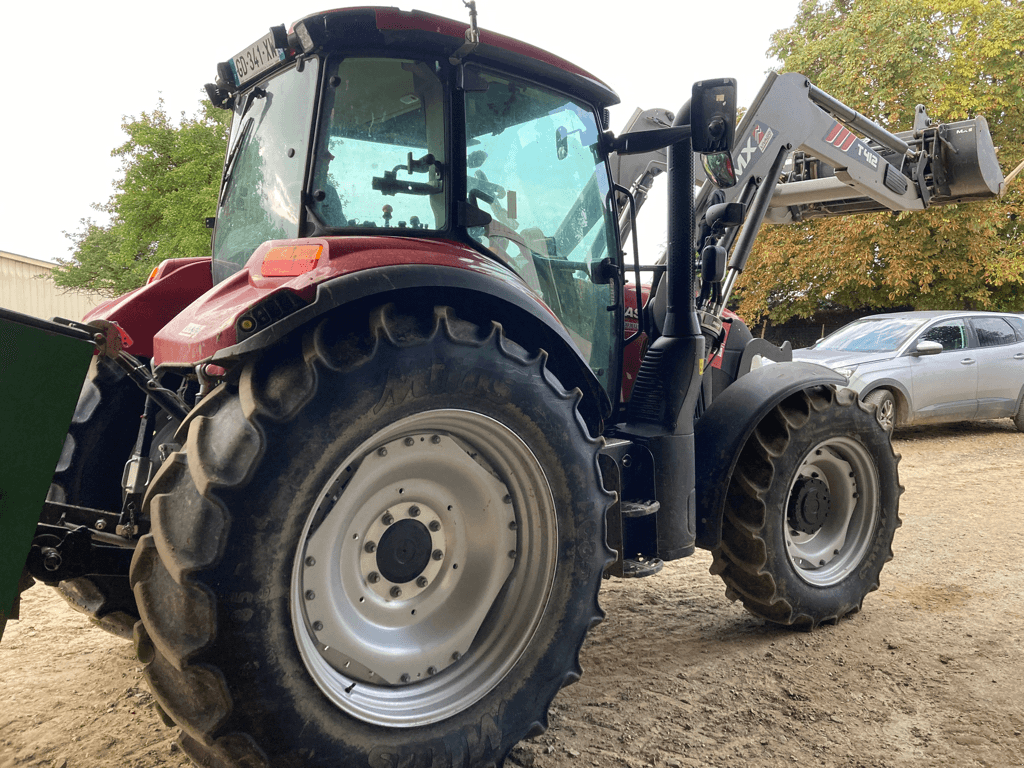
370, 463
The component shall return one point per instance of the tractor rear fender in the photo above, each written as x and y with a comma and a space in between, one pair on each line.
722, 431
174, 285
479, 296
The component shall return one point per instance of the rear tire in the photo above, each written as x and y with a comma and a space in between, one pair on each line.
812, 509
376, 547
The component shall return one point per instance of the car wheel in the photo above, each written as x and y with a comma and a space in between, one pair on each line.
885, 405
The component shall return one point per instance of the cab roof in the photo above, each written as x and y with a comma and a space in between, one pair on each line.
380, 28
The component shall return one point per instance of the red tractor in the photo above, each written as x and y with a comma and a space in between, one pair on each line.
387, 450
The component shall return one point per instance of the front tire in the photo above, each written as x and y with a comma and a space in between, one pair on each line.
812, 509
375, 547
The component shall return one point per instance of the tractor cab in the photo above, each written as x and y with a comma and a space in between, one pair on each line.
386, 124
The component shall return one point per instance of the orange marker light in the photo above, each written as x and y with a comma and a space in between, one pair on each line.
291, 260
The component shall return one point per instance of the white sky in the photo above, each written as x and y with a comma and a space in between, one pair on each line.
81, 67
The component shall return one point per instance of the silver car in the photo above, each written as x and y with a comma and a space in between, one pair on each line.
930, 367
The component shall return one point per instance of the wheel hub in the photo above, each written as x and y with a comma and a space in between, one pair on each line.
404, 551
830, 511
809, 505
403, 548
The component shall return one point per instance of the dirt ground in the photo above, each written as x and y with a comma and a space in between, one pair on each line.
929, 674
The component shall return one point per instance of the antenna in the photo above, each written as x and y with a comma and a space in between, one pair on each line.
472, 35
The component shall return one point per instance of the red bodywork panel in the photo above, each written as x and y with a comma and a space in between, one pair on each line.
144, 311
633, 354
209, 325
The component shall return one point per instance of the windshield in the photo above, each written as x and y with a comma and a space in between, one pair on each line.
261, 193
871, 335
533, 165
381, 146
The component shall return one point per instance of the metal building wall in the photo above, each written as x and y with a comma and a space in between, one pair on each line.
25, 286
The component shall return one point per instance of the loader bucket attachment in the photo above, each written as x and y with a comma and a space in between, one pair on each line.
964, 162
42, 367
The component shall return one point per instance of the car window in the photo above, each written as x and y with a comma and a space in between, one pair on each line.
951, 334
993, 331
871, 335
1018, 325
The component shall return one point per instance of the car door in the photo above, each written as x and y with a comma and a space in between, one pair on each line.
944, 387
1000, 366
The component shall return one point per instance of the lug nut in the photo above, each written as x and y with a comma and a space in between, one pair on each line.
414, 511
396, 591
406, 677
507, 499
456, 656
388, 518
434, 526
421, 582
435, 439
437, 554
310, 594
373, 577
409, 441
370, 546
431, 670
310, 561
317, 626
513, 526
512, 554
382, 452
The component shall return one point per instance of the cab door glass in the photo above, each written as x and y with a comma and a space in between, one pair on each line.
380, 146
261, 193
533, 165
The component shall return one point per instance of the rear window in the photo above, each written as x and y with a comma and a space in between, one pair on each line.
1018, 326
993, 331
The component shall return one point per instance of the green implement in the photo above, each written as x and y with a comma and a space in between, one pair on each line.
42, 367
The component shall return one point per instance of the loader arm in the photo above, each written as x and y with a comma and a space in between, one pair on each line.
802, 154
832, 171
829, 169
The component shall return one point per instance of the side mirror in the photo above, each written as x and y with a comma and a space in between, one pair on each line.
713, 115
713, 118
926, 348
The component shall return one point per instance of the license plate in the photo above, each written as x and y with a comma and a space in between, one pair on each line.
256, 59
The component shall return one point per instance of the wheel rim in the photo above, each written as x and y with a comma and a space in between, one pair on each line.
831, 511
424, 570
887, 412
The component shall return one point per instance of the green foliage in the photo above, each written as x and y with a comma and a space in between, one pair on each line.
959, 58
169, 184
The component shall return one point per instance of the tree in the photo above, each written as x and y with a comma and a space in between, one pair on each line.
959, 58
169, 184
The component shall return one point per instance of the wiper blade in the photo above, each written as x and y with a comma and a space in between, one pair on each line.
229, 168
